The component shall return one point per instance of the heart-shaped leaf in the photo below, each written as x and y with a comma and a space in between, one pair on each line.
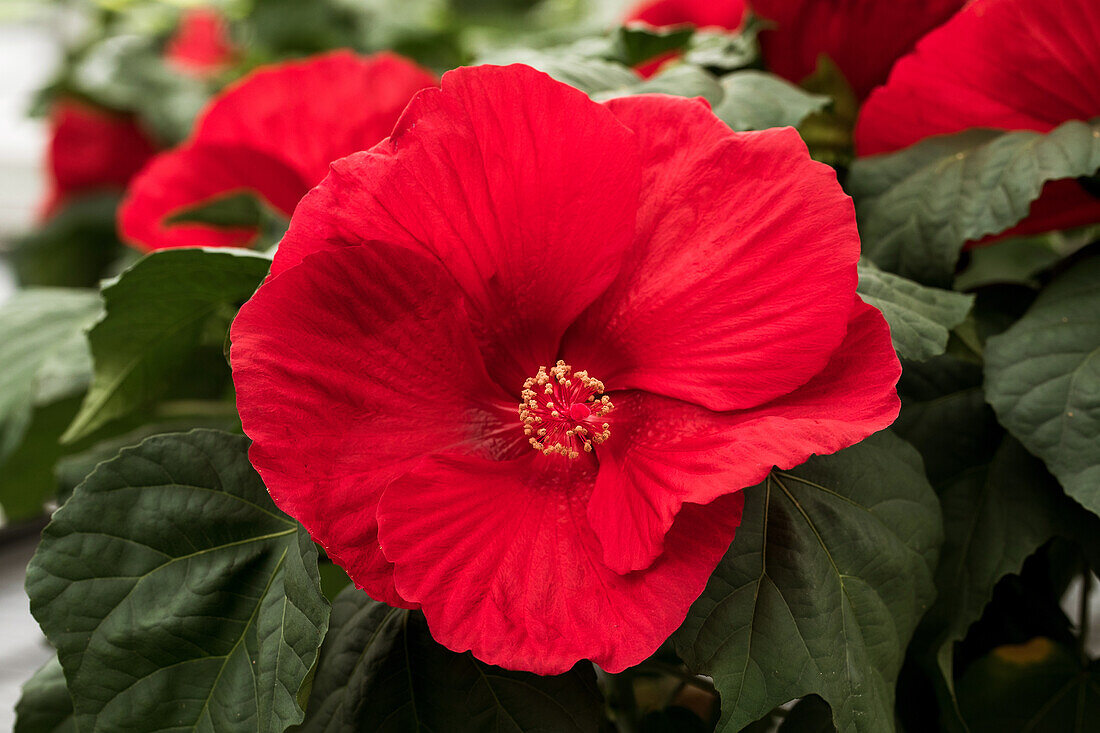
177, 595
821, 589
158, 313
1043, 379
380, 670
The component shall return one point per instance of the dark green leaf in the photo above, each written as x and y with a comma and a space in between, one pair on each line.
243, 209
995, 516
822, 588
757, 100
1037, 686
45, 706
918, 207
1020, 261
42, 348
1043, 379
158, 313
590, 75
810, 715
73, 247
637, 44
726, 51
920, 317
44, 358
177, 595
27, 479
680, 80
380, 670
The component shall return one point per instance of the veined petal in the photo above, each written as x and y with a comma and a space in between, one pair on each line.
349, 368
740, 282
523, 187
725, 14
665, 452
501, 559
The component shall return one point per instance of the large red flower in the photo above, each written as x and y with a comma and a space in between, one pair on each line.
273, 134
515, 362
863, 37
92, 149
1005, 64
201, 44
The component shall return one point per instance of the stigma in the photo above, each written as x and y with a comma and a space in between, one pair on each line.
563, 411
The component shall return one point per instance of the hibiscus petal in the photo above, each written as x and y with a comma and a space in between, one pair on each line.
524, 188
503, 563
740, 283
1006, 64
664, 452
725, 14
348, 369
273, 133
863, 37
309, 113
190, 176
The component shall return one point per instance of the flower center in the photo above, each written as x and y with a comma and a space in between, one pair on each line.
562, 411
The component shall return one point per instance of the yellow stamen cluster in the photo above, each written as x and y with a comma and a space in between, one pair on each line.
562, 411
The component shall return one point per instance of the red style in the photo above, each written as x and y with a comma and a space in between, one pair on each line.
1004, 64
515, 363
273, 134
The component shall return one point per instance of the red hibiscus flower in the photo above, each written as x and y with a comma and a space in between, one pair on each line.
515, 362
273, 134
201, 45
91, 149
1005, 64
863, 37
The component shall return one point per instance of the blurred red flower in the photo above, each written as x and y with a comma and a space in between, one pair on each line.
273, 134
91, 149
201, 44
515, 362
863, 37
1004, 64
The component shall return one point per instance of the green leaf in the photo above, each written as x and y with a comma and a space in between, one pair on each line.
995, 516
757, 100
42, 347
45, 706
73, 247
918, 207
1043, 379
241, 209
159, 312
569, 66
920, 317
45, 359
380, 670
680, 80
727, 51
821, 588
636, 44
27, 479
1036, 686
1020, 261
177, 595
810, 715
